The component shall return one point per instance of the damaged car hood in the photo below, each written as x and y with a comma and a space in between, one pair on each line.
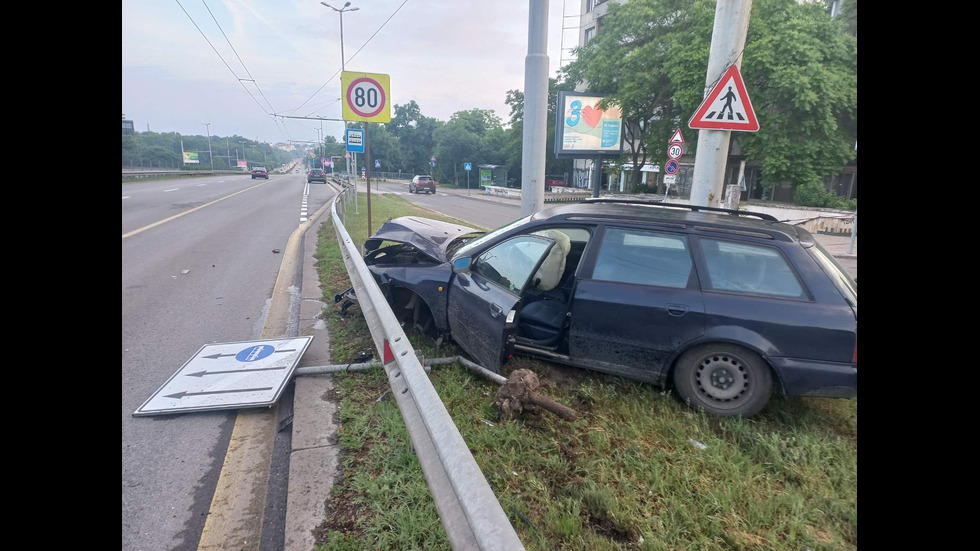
431, 237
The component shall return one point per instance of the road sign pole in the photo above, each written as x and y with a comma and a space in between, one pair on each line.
598, 176
367, 173
467, 182
728, 35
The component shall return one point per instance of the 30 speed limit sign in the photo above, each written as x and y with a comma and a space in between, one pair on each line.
674, 151
366, 96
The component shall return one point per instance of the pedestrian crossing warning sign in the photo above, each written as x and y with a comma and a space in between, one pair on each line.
727, 106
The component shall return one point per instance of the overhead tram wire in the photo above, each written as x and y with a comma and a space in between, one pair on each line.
353, 56
279, 124
232, 71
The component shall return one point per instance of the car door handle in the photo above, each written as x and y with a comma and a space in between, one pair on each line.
677, 309
495, 310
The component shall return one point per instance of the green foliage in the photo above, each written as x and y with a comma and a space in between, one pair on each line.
799, 66
814, 194
624, 476
514, 146
163, 150
475, 136
414, 132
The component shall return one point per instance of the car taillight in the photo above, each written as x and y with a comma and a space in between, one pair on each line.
855, 360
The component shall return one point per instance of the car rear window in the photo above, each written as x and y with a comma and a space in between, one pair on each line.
748, 268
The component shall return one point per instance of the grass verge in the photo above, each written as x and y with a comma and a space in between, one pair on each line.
638, 470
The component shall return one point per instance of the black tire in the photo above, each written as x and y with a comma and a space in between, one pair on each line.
723, 379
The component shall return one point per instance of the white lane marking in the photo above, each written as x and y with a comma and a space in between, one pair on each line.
125, 196
169, 190
144, 228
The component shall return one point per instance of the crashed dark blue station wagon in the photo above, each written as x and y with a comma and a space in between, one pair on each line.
724, 307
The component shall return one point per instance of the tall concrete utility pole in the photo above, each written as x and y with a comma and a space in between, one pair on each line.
535, 108
727, 42
208, 126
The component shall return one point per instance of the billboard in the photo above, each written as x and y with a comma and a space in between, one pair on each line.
190, 158
583, 130
242, 163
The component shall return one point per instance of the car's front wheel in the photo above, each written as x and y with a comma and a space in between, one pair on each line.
723, 379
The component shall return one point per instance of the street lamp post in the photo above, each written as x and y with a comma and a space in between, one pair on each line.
341, 12
208, 126
343, 68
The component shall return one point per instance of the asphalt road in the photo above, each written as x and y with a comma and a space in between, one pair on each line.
200, 258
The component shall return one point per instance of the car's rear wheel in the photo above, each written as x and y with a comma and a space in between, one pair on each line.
723, 379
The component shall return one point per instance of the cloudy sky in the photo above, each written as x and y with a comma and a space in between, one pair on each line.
190, 62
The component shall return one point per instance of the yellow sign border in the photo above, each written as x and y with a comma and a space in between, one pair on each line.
347, 78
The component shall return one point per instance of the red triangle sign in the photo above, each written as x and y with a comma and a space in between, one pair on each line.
727, 107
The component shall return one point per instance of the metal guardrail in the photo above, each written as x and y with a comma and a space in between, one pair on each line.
468, 508
162, 172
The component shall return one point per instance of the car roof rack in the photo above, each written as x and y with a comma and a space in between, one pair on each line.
695, 208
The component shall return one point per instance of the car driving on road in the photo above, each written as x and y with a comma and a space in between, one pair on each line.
724, 307
422, 183
259, 172
316, 175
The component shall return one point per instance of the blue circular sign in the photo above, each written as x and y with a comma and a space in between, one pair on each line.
255, 353
671, 167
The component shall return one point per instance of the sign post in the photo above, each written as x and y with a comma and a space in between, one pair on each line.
366, 99
675, 148
468, 167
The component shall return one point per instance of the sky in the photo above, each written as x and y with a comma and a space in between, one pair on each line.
244, 66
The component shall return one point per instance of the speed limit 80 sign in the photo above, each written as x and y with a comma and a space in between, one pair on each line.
366, 96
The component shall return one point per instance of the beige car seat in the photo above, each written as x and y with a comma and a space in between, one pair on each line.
549, 274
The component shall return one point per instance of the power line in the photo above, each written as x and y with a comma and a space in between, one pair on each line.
232, 71
353, 56
230, 45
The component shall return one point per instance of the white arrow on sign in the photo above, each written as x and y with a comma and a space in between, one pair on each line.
229, 375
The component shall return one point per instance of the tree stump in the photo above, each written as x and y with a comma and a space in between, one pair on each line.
520, 393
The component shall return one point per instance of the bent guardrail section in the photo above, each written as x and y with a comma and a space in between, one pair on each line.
468, 508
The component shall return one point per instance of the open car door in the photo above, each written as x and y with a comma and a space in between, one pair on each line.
486, 290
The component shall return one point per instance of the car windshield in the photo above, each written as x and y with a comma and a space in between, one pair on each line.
475, 243
259, 168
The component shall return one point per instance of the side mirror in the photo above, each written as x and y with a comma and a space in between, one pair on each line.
461, 265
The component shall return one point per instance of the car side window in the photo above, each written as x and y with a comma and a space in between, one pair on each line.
749, 268
644, 257
510, 263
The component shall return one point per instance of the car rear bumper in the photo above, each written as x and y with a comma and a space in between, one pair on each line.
816, 378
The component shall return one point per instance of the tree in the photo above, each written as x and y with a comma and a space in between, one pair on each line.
514, 146
384, 147
415, 134
799, 67
475, 136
